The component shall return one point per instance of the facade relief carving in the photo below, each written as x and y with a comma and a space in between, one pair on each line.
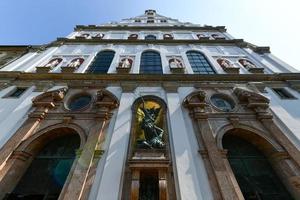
125, 64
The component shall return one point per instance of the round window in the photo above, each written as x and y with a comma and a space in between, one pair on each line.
222, 103
80, 102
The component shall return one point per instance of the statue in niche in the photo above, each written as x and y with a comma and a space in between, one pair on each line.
224, 63
148, 117
99, 35
75, 63
247, 64
53, 63
175, 63
125, 63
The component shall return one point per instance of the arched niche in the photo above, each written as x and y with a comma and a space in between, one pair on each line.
149, 170
260, 170
39, 169
151, 110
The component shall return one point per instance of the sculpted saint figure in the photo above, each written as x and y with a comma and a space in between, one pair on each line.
247, 64
153, 133
75, 63
53, 63
224, 63
126, 63
175, 63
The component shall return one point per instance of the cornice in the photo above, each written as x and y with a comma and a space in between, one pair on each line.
150, 28
142, 78
60, 41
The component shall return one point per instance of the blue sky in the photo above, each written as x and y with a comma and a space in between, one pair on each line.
262, 22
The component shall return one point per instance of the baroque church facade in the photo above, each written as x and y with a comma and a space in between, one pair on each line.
148, 108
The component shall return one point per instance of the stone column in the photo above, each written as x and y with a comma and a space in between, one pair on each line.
22, 133
14, 169
162, 181
135, 185
227, 189
268, 122
111, 181
79, 177
199, 111
184, 163
83, 175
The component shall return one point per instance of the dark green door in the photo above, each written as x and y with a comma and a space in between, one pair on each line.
253, 171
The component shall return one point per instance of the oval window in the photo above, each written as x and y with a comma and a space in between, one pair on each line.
222, 103
80, 102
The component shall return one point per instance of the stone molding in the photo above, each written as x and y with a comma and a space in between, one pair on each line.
48, 99
142, 78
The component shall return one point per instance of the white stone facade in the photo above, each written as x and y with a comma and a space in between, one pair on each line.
191, 180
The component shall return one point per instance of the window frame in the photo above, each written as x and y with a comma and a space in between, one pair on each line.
10, 93
204, 66
144, 63
287, 95
91, 68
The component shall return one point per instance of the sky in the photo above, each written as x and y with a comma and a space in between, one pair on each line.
271, 23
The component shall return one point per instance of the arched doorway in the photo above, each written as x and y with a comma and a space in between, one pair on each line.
47, 173
253, 172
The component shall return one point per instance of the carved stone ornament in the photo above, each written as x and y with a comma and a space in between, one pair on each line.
251, 98
73, 65
247, 64
48, 99
176, 65
106, 99
202, 36
49, 66
227, 66
125, 65
195, 99
98, 36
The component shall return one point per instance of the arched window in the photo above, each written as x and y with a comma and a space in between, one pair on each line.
199, 63
101, 62
47, 173
254, 174
151, 63
150, 37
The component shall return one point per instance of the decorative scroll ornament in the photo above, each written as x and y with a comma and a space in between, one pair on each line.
252, 99
106, 99
49, 98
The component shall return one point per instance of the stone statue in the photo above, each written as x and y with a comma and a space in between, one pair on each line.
125, 63
224, 63
53, 63
153, 133
99, 35
175, 63
247, 64
75, 63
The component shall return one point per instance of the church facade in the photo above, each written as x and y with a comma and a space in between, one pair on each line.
148, 108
